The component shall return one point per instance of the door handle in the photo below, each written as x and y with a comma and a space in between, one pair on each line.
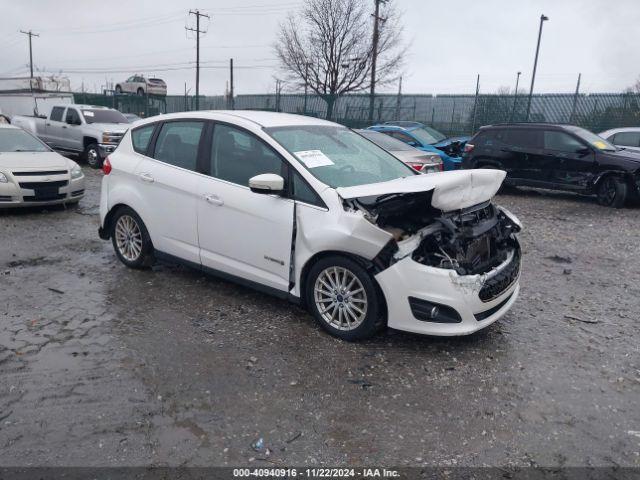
147, 177
214, 200
48, 124
64, 126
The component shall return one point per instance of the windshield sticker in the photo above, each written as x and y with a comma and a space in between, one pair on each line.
313, 158
600, 145
87, 113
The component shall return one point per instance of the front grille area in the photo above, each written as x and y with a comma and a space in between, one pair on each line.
487, 313
498, 284
37, 174
44, 198
39, 185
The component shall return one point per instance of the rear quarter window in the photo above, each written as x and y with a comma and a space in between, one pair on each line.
140, 137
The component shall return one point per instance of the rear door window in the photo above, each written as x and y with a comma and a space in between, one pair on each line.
178, 142
72, 117
523, 138
627, 139
56, 114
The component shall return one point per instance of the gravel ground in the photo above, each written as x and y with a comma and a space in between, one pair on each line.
105, 366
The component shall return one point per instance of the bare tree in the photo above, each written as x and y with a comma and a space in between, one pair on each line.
327, 46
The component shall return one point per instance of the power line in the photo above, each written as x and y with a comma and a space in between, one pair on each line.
198, 32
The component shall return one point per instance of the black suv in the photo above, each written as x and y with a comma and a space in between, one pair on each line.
559, 157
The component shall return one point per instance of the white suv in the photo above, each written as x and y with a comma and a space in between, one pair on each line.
310, 211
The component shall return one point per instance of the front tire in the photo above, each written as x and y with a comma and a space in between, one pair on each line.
131, 240
140, 91
344, 299
118, 89
612, 192
92, 156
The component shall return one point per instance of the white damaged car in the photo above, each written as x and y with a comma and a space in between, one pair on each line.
310, 211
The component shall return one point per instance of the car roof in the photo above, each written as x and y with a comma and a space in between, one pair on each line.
258, 117
527, 124
393, 127
621, 130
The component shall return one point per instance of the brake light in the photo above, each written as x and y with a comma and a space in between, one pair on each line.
416, 166
468, 148
106, 166
441, 167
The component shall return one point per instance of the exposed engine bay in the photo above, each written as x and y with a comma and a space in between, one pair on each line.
453, 149
470, 241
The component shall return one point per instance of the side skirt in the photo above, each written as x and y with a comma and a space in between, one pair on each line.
168, 258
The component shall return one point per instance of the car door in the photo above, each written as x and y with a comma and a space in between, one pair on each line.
129, 85
52, 134
242, 233
73, 139
168, 180
524, 158
571, 161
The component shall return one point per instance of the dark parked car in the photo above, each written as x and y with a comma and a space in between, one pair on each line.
559, 157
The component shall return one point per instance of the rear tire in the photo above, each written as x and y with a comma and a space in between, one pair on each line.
92, 156
118, 89
131, 240
140, 91
344, 298
612, 192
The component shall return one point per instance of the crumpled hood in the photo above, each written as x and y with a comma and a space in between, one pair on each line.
24, 161
448, 141
452, 190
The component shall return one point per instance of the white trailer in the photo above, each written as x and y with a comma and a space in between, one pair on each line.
33, 96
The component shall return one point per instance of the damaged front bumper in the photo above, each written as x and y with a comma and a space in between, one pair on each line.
438, 301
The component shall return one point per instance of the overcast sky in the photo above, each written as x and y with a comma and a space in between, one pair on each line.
450, 41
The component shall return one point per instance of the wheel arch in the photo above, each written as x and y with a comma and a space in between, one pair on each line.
621, 174
87, 140
368, 265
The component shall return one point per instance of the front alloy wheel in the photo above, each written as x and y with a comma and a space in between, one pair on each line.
92, 156
340, 298
344, 298
612, 192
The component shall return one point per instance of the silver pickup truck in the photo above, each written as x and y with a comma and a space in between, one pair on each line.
90, 131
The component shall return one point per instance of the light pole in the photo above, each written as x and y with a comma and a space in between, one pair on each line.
543, 18
515, 97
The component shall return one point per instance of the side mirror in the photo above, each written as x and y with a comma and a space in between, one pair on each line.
583, 151
266, 183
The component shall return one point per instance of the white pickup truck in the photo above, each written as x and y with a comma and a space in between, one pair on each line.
87, 130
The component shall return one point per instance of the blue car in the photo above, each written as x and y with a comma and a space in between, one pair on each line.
427, 139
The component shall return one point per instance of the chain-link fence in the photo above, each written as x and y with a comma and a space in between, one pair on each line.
451, 114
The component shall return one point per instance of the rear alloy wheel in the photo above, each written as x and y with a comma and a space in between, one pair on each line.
344, 299
612, 192
118, 89
92, 156
131, 240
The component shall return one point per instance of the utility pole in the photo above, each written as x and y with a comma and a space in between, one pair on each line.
515, 97
232, 102
575, 100
374, 55
399, 100
198, 32
30, 34
475, 105
543, 18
